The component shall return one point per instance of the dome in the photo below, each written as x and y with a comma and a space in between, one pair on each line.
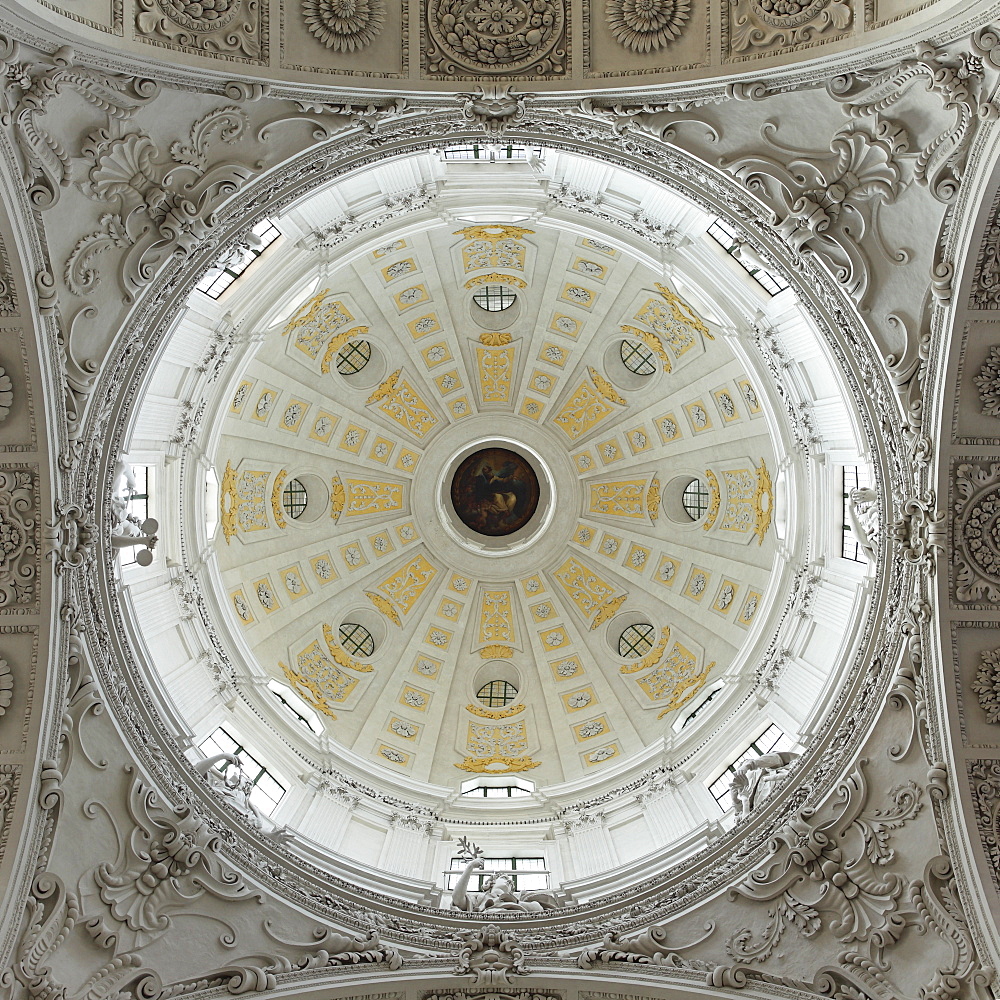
446, 541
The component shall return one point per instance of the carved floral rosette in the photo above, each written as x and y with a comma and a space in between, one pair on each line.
976, 533
523, 38
647, 25
226, 27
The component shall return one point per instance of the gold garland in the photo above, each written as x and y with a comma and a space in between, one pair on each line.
653, 343
279, 513
496, 652
306, 313
495, 339
716, 499
228, 513
495, 713
653, 499
682, 312
605, 388
607, 610
339, 656
337, 498
687, 691
763, 511
485, 765
308, 691
494, 278
387, 388
651, 658
336, 343
385, 607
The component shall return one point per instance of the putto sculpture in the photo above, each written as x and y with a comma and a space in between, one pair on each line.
497, 891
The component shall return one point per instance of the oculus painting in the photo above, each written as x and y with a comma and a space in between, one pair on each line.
494, 492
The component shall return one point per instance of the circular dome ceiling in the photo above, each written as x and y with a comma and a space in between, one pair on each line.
553, 540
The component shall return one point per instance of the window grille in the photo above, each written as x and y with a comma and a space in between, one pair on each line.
353, 356
484, 153
356, 639
726, 237
294, 498
266, 791
494, 298
637, 358
525, 873
771, 740
636, 640
228, 268
497, 694
695, 499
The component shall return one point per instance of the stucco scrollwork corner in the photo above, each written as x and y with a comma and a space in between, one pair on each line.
815, 198
494, 109
984, 778
975, 541
19, 538
918, 531
71, 537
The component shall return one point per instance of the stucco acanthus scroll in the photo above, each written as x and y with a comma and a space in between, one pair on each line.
987, 683
647, 948
19, 531
228, 27
988, 383
918, 531
168, 859
825, 203
157, 207
764, 24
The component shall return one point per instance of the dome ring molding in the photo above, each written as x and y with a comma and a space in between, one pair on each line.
668, 890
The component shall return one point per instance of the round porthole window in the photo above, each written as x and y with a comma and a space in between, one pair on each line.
294, 498
637, 358
695, 499
356, 640
497, 694
494, 298
636, 640
353, 356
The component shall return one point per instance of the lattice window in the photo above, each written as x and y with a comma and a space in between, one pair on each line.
636, 640
266, 790
485, 153
228, 268
695, 499
726, 237
294, 498
637, 358
356, 639
494, 298
771, 740
497, 694
353, 356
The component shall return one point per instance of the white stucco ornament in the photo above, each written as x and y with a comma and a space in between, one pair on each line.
647, 25
344, 25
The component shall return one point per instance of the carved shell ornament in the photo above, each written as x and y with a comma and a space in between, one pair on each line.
496, 36
757, 23
344, 25
647, 25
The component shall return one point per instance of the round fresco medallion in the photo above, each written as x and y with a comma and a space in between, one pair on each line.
494, 492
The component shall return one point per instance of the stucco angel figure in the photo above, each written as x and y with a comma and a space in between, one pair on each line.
754, 780
231, 784
497, 891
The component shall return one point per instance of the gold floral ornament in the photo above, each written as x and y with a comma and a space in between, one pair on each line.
340, 656
763, 502
495, 713
336, 343
607, 611
605, 388
308, 691
385, 606
494, 339
688, 691
653, 499
652, 342
714, 500
682, 312
338, 497
229, 502
495, 278
497, 765
496, 652
276, 508
344, 25
646, 25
